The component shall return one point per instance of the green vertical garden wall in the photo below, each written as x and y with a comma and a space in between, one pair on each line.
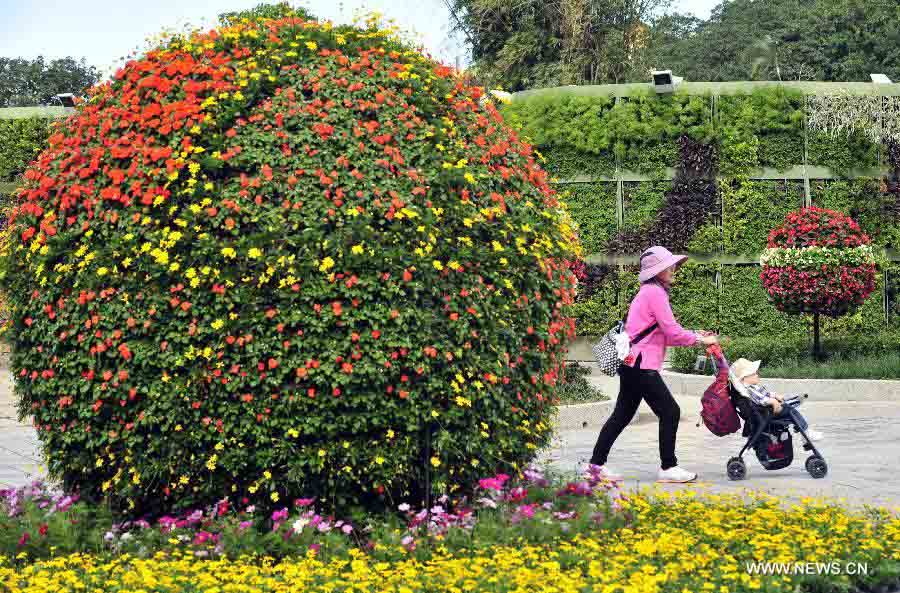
709, 170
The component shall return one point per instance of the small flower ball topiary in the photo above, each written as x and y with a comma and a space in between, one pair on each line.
818, 261
285, 259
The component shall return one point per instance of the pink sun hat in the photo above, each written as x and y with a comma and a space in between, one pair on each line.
655, 260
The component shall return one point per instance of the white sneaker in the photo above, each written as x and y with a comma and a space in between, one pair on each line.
676, 475
608, 473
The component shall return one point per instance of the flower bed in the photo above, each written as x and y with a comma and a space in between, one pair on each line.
526, 535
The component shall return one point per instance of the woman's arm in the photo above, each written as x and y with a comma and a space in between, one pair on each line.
662, 312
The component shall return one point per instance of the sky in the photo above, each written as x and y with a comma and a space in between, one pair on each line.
107, 31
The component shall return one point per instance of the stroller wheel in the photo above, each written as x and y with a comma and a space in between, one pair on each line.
816, 466
736, 468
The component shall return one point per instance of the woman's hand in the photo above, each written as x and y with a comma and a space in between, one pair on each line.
709, 340
776, 406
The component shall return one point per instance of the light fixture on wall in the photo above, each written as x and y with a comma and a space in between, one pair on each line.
664, 81
880, 79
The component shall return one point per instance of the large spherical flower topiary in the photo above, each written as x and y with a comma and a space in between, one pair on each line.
818, 261
286, 259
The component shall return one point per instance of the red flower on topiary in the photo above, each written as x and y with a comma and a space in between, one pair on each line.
818, 261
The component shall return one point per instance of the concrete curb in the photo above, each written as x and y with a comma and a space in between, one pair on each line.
818, 389
590, 416
683, 384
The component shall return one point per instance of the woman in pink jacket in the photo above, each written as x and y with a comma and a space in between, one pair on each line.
639, 376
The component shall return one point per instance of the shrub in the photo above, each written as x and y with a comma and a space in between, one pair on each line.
576, 389
20, 142
286, 258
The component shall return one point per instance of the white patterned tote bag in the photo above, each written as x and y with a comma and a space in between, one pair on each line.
614, 346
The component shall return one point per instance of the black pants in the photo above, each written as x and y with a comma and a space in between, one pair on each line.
636, 384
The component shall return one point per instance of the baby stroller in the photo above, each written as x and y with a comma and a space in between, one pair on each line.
769, 437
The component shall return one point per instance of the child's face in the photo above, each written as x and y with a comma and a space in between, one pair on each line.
751, 379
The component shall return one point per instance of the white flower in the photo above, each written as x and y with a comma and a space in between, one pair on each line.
403, 507
487, 502
299, 524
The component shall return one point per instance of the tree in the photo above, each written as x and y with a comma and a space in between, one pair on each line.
782, 40
26, 82
535, 43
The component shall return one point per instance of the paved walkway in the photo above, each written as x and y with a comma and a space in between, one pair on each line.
861, 447
18, 442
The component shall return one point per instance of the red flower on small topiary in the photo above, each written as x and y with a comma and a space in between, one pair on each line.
831, 290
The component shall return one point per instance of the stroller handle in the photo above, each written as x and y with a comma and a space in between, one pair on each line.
715, 351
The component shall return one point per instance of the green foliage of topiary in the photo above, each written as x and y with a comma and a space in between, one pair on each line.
752, 208
20, 142
639, 131
707, 240
566, 121
892, 280
593, 205
780, 150
762, 129
286, 259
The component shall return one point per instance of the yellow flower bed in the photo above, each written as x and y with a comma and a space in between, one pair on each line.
682, 543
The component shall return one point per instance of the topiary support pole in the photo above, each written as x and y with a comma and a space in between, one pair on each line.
817, 345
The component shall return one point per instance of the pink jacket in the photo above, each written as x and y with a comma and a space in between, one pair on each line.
652, 305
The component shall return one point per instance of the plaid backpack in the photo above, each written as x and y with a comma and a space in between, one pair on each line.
718, 412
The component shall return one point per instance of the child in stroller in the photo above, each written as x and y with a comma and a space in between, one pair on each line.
768, 433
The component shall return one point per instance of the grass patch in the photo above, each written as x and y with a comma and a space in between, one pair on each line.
576, 389
873, 366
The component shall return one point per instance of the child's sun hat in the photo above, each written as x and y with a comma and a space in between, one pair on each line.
744, 368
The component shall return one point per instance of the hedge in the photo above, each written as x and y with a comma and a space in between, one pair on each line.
772, 352
20, 142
